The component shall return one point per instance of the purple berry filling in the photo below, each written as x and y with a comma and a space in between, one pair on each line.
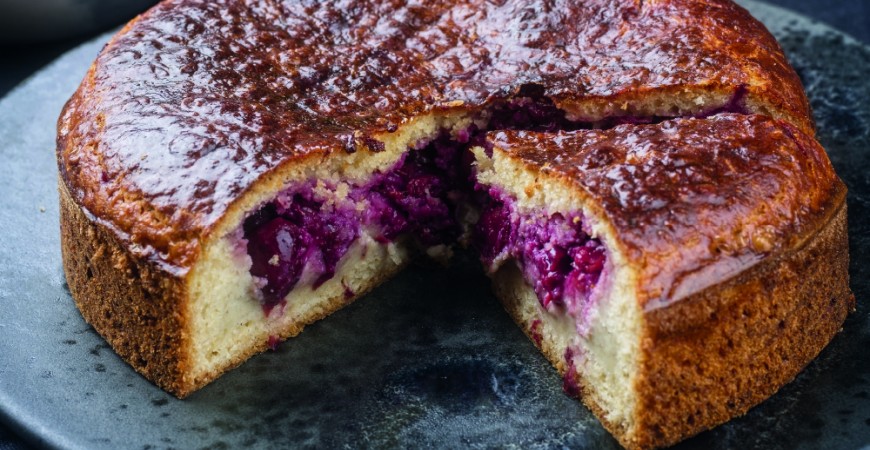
295, 233
538, 114
420, 196
569, 380
301, 235
558, 259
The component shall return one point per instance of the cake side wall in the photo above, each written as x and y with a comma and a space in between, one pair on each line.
726, 349
137, 308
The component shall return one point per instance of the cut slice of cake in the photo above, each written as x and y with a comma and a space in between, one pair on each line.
676, 274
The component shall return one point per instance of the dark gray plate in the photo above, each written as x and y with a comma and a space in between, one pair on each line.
429, 359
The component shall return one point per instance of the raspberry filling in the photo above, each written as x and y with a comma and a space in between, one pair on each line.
421, 195
295, 234
303, 234
557, 257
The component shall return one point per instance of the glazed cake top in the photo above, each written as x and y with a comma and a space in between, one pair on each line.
195, 100
691, 201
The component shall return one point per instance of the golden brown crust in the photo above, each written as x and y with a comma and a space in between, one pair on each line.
136, 307
716, 354
161, 99
220, 93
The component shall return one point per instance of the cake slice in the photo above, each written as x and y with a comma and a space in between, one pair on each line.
676, 274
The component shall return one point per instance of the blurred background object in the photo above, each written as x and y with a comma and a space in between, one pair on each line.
35, 32
32, 21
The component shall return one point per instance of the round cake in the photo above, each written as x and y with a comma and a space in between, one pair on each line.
640, 180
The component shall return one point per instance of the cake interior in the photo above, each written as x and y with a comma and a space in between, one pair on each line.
338, 227
301, 236
558, 273
428, 195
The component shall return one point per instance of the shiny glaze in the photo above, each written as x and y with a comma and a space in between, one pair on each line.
692, 202
194, 101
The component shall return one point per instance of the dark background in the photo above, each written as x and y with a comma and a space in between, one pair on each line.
20, 60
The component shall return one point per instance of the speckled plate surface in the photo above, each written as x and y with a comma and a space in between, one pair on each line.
429, 359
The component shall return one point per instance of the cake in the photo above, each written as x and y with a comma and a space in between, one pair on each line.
640, 179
